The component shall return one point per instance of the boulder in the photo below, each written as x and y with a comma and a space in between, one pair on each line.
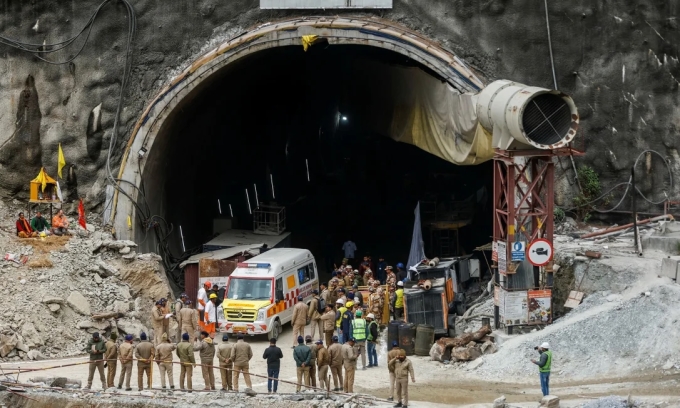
79, 303
7, 344
105, 270
124, 251
146, 279
124, 292
31, 336
550, 401
133, 327
49, 300
499, 402
35, 355
54, 307
97, 325
121, 306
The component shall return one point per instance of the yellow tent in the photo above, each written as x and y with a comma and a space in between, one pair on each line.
42, 181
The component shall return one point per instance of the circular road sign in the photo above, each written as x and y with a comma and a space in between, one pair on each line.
539, 252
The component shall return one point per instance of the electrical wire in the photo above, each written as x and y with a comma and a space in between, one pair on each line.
628, 184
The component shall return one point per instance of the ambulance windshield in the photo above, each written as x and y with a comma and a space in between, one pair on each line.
249, 289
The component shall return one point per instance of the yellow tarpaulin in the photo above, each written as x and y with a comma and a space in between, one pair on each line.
43, 179
308, 40
61, 161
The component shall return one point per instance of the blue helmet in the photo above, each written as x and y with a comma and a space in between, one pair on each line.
400, 265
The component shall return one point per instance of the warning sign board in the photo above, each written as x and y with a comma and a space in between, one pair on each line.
494, 251
540, 306
502, 257
540, 252
515, 310
518, 251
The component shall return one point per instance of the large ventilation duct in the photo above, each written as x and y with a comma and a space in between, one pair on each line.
517, 115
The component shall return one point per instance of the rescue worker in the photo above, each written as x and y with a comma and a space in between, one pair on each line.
341, 295
335, 363
391, 278
241, 354
201, 301
185, 352
328, 322
357, 279
111, 357
164, 360
401, 273
322, 361
144, 353
544, 364
299, 320
210, 314
402, 368
392, 298
273, 355
377, 302
312, 362
226, 365
358, 296
359, 335
314, 316
391, 355
206, 351
177, 312
399, 301
325, 294
302, 356
349, 362
381, 272
372, 340
346, 321
166, 321
189, 319
96, 348
126, 352
368, 275
157, 319
349, 277
340, 310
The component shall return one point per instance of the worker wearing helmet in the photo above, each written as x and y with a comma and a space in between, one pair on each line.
202, 301
399, 301
210, 314
402, 274
346, 321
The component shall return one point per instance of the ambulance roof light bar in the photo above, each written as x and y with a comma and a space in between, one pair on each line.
254, 265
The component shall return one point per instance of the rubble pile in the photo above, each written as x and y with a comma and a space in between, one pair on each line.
466, 347
46, 311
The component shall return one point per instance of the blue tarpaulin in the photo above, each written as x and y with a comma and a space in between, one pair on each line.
417, 253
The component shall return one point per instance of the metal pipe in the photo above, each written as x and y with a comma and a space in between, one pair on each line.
621, 227
636, 235
552, 60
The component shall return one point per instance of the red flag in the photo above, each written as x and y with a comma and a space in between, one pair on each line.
81, 214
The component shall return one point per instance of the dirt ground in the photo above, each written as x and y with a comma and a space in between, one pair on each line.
435, 385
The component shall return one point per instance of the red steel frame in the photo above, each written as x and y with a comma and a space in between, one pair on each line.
523, 194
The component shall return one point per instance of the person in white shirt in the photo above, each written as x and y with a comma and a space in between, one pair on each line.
349, 247
210, 314
201, 301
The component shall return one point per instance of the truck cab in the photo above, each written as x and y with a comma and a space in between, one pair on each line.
262, 291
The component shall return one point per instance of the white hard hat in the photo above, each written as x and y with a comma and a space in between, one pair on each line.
371, 316
400, 283
339, 301
545, 345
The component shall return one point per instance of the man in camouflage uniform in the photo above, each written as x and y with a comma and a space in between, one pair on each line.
393, 297
368, 276
377, 301
391, 280
348, 278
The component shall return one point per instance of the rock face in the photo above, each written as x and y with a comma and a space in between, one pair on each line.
79, 303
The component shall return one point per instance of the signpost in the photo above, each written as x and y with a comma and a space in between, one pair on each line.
502, 258
518, 251
540, 252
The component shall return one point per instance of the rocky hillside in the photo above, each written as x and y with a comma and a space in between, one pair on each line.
55, 284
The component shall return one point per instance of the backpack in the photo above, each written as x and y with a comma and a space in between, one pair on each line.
321, 305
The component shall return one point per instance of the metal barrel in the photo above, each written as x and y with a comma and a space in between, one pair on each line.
407, 338
393, 333
424, 339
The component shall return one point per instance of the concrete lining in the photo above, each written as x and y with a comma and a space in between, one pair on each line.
372, 32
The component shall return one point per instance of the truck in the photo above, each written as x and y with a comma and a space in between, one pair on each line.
435, 294
262, 291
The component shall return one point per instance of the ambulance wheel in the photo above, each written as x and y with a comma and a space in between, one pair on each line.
276, 330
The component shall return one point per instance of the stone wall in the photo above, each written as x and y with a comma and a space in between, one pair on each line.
617, 58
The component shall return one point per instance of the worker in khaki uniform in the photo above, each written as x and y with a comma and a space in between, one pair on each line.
111, 357
144, 353
302, 355
206, 351
322, 361
166, 322
164, 360
185, 352
402, 368
157, 319
189, 319
226, 365
314, 316
349, 362
178, 306
312, 361
391, 355
241, 354
299, 320
335, 355
328, 322
126, 352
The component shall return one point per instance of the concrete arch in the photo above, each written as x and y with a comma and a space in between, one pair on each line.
373, 32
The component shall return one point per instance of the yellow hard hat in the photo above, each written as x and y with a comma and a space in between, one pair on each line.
349, 304
213, 296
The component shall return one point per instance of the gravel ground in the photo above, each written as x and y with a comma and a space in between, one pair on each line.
610, 402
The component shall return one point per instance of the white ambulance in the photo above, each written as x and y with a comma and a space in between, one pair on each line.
262, 291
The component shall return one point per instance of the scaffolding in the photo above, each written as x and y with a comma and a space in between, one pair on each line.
269, 220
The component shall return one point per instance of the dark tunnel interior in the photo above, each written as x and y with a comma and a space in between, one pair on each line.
276, 113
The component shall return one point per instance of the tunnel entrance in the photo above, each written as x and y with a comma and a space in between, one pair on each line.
302, 122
